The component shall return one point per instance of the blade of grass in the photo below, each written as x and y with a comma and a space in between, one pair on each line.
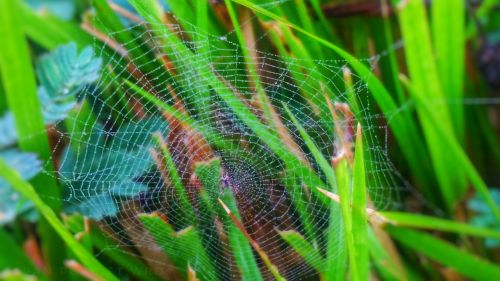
13, 257
185, 206
240, 246
111, 250
344, 181
453, 148
447, 254
23, 102
272, 268
432, 223
209, 175
448, 36
183, 247
339, 180
211, 136
382, 259
384, 40
22, 96
425, 80
24, 188
3, 101
50, 31
120, 257
305, 249
359, 203
250, 57
307, 23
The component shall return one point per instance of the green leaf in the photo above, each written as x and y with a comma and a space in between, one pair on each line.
50, 31
447, 254
382, 260
108, 247
25, 189
16, 275
187, 214
426, 83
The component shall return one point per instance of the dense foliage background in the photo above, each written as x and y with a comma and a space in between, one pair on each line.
428, 73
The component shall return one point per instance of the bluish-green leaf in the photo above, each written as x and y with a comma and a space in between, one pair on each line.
62, 75
12, 204
107, 169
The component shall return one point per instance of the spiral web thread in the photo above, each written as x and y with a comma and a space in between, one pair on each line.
250, 168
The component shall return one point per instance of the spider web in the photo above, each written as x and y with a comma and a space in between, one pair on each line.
114, 170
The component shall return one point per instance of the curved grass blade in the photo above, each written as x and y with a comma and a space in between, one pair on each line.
401, 219
305, 249
183, 247
24, 188
447, 254
19, 83
272, 268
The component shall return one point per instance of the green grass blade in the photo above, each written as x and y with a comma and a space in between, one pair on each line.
240, 246
453, 148
339, 179
381, 259
120, 257
425, 80
318, 156
18, 80
448, 36
209, 174
359, 204
344, 181
50, 31
305, 249
22, 96
187, 213
24, 188
109, 248
183, 247
236, 221
13, 256
447, 254
432, 223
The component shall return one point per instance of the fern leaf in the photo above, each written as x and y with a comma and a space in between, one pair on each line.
62, 75
108, 172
